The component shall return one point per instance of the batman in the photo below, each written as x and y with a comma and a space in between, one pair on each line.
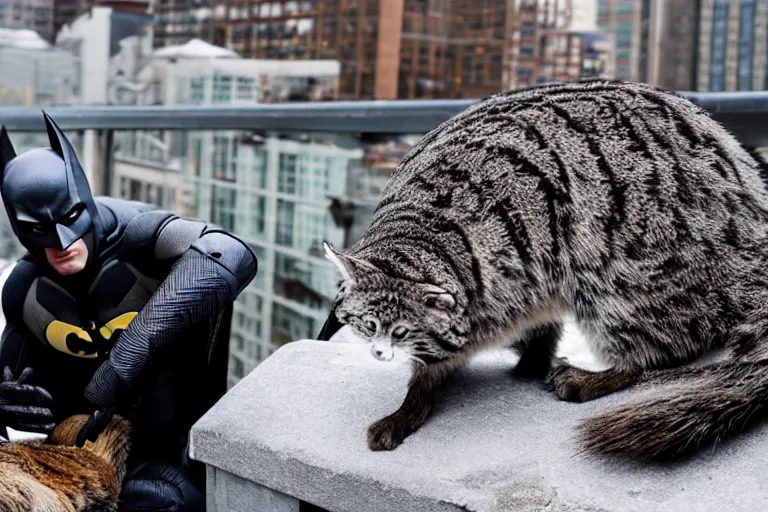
117, 307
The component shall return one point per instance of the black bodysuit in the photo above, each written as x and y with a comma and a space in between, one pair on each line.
155, 304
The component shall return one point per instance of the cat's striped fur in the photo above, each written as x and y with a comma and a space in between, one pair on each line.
55, 476
623, 204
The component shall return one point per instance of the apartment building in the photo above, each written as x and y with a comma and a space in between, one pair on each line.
732, 45
698, 45
35, 15
387, 49
274, 190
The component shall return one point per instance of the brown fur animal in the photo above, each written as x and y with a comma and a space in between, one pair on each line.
55, 476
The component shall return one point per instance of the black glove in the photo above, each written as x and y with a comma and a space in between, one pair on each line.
24, 406
94, 426
105, 391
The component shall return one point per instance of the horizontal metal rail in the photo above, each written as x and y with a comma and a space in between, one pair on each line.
745, 113
407, 116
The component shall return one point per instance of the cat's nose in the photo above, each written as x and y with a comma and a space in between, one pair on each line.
382, 352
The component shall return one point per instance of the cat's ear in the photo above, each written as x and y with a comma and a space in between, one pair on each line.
438, 298
348, 266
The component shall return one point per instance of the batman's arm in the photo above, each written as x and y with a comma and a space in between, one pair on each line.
23, 404
209, 269
14, 344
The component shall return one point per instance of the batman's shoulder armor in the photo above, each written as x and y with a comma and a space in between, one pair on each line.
159, 237
15, 289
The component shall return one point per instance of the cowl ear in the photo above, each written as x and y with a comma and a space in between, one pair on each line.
438, 298
349, 267
7, 153
59, 142
79, 188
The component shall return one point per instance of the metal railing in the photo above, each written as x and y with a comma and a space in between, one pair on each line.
399, 116
744, 113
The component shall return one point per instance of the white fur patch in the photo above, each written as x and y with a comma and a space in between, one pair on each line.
382, 349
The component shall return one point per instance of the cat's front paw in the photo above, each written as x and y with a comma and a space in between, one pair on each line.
387, 433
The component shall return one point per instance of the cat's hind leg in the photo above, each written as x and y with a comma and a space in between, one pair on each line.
632, 346
537, 348
573, 384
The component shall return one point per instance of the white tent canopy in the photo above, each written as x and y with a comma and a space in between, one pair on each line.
26, 39
196, 48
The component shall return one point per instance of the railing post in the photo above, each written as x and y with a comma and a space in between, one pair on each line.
107, 161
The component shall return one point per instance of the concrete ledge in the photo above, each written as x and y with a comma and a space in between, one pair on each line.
297, 425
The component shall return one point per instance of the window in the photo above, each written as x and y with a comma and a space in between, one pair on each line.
625, 7
245, 89
259, 169
624, 34
197, 90
746, 40
135, 194
258, 281
238, 369
225, 203
171, 201
719, 42
222, 89
258, 216
289, 325
286, 181
284, 226
224, 158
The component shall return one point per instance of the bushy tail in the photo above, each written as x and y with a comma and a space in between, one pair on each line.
693, 407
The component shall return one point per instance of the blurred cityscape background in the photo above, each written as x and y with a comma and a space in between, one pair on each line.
284, 193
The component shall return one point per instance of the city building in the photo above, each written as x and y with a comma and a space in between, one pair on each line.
732, 45
568, 55
387, 50
178, 21
557, 40
695, 45
42, 75
274, 190
34, 15
627, 22
65, 11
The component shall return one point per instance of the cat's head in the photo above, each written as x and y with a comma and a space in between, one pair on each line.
427, 321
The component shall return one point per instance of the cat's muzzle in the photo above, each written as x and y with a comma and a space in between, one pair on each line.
382, 349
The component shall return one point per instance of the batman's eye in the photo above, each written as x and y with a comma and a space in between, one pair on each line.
38, 229
72, 216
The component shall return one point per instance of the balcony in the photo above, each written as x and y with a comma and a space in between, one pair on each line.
290, 435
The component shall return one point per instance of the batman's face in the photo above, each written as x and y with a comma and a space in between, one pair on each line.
46, 195
46, 213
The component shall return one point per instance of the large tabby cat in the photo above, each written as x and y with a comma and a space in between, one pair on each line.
623, 204
55, 476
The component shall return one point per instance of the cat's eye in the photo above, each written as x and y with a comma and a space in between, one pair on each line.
370, 325
399, 332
